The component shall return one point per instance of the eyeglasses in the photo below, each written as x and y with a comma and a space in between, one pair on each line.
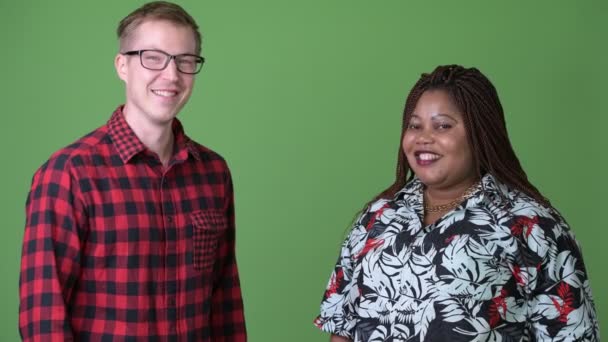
158, 60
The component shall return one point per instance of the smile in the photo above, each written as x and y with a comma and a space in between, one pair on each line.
165, 93
424, 158
427, 156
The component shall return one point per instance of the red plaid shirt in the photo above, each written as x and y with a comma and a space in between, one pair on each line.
117, 248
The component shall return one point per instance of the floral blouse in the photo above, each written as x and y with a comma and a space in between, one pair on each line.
499, 267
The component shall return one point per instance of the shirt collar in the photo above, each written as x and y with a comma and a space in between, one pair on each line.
128, 144
488, 189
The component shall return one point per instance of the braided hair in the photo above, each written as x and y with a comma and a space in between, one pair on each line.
486, 130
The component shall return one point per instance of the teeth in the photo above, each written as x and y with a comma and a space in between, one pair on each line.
164, 93
428, 156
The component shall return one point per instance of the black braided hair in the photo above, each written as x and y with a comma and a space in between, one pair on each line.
477, 99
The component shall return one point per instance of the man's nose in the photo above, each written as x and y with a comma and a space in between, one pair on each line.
171, 71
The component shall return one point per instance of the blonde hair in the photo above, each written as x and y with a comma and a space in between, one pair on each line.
157, 10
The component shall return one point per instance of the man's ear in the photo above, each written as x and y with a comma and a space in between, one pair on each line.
120, 64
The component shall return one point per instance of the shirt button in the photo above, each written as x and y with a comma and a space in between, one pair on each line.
169, 219
171, 301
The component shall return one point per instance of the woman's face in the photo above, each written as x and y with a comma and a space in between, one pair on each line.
435, 143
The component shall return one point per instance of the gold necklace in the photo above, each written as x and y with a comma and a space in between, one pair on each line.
452, 204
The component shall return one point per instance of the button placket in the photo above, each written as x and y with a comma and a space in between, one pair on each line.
169, 215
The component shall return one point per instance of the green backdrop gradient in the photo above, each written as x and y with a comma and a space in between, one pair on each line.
304, 100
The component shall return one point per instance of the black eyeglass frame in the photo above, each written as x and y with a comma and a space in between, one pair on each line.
199, 59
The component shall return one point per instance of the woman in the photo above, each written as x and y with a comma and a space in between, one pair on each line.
461, 247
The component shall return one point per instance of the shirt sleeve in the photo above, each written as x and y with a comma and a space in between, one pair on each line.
561, 307
227, 313
333, 317
50, 255
337, 306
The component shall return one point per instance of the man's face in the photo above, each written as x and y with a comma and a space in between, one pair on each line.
155, 97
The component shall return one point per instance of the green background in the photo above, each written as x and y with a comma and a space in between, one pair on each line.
304, 100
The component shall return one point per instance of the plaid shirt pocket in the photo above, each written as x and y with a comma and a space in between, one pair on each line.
208, 226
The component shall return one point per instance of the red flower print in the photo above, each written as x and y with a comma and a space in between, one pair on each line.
369, 244
334, 283
449, 239
517, 274
529, 223
377, 214
563, 291
524, 222
498, 308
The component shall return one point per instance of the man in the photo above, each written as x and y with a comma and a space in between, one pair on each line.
130, 230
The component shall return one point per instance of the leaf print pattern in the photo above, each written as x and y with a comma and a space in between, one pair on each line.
567, 300
499, 267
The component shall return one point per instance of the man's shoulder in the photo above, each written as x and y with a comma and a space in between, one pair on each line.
206, 154
78, 153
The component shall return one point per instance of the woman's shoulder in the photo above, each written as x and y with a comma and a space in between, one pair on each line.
516, 201
531, 212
